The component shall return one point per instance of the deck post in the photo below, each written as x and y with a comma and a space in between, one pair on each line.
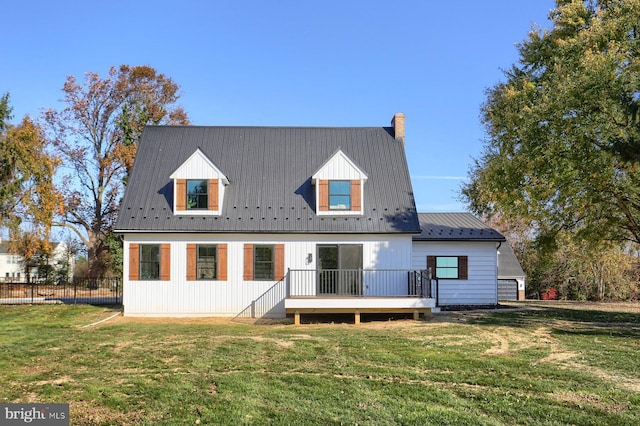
416, 315
296, 320
357, 317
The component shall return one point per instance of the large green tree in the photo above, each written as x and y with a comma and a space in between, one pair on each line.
563, 131
96, 136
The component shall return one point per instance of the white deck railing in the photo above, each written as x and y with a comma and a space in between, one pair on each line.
359, 283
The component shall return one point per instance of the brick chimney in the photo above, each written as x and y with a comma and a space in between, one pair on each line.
398, 126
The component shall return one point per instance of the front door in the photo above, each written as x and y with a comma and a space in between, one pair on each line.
340, 269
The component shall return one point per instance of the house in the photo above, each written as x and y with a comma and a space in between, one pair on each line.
272, 221
12, 265
462, 253
511, 277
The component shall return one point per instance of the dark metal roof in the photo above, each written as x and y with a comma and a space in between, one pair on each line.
508, 265
454, 227
270, 190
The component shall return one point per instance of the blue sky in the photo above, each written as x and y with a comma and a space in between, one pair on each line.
290, 63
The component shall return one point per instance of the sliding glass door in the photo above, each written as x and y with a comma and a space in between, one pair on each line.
340, 269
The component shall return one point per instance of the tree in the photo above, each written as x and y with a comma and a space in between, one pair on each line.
563, 132
28, 198
32, 248
96, 135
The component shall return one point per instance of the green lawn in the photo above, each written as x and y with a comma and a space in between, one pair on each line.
545, 365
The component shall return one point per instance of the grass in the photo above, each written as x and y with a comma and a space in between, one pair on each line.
547, 366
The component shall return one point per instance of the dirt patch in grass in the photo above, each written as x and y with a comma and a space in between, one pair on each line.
196, 320
93, 413
627, 307
56, 382
595, 401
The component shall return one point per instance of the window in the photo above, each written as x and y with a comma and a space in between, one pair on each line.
448, 267
339, 195
263, 262
197, 194
206, 262
149, 262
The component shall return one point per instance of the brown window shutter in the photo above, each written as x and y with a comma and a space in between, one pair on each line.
323, 203
248, 262
431, 264
356, 199
213, 194
463, 268
134, 261
191, 262
165, 262
279, 262
181, 194
222, 262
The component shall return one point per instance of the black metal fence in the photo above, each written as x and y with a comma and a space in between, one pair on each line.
90, 291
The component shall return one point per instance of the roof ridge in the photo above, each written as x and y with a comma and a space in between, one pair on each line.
207, 126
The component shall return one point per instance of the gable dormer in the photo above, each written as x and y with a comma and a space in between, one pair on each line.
198, 186
339, 186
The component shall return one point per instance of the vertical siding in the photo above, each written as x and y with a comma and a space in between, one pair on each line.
236, 296
481, 287
339, 168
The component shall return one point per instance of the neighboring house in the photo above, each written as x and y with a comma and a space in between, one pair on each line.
462, 253
270, 221
12, 266
511, 277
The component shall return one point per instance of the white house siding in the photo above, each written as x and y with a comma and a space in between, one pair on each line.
236, 297
12, 269
10, 266
340, 167
481, 287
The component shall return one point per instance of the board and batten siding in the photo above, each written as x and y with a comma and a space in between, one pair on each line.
235, 296
481, 287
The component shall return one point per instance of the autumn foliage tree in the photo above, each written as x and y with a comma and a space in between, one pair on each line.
96, 135
28, 197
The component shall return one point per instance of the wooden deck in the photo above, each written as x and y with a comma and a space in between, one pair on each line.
358, 305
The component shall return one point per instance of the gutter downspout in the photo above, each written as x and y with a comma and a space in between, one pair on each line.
497, 268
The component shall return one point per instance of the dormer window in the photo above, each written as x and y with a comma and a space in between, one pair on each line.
199, 186
339, 186
339, 195
197, 194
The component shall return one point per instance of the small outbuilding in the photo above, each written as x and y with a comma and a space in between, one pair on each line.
511, 277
